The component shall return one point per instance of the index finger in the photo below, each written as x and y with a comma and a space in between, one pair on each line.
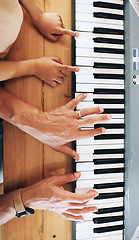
80, 198
69, 32
74, 102
70, 68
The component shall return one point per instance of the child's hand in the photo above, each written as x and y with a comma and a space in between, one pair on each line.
51, 26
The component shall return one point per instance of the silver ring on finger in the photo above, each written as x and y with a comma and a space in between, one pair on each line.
79, 114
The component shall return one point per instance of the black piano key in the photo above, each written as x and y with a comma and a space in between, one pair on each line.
108, 151
109, 101
108, 31
108, 219
108, 91
109, 210
109, 50
108, 40
108, 15
110, 126
114, 111
108, 171
108, 229
108, 5
108, 161
108, 185
109, 136
109, 65
109, 195
109, 76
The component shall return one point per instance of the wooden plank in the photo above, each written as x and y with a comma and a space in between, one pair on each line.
1, 227
56, 163
23, 155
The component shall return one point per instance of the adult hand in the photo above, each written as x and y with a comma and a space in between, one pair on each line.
49, 194
51, 70
61, 125
51, 26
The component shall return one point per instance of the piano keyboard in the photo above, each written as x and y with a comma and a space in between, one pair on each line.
99, 53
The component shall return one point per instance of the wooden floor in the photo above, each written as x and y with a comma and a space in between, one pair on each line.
25, 159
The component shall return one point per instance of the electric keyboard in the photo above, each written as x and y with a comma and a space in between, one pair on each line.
100, 54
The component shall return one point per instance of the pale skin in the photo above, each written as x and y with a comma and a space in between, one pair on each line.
49, 194
54, 128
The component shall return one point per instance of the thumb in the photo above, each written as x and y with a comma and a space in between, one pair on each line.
70, 177
68, 151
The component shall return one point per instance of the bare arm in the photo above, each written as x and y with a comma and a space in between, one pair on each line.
54, 128
9, 70
49, 24
49, 194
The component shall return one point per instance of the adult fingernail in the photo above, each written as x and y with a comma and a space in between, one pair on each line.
85, 94
109, 116
101, 109
77, 69
96, 210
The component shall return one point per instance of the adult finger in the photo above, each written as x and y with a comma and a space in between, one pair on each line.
66, 178
69, 32
89, 121
79, 211
68, 151
90, 133
88, 111
70, 68
72, 217
74, 102
80, 198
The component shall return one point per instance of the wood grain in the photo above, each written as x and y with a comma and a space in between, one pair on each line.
25, 159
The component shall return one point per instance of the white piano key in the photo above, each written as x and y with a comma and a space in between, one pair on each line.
82, 105
91, 175
89, 27
91, 148
89, 225
88, 61
89, 183
93, 214
88, 52
83, 8
90, 35
109, 190
91, 96
115, 237
81, 87
83, 157
90, 2
88, 17
91, 70
91, 166
84, 43
103, 201
91, 234
88, 78
106, 141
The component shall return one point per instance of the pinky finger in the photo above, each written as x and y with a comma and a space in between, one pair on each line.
72, 217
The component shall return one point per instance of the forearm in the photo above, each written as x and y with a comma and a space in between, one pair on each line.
14, 69
32, 8
7, 211
14, 110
